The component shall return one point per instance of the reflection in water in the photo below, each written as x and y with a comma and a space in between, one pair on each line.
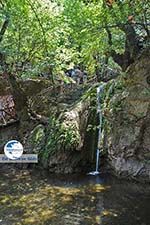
28, 197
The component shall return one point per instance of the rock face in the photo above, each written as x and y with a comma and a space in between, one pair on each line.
65, 146
127, 136
64, 149
61, 142
70, 155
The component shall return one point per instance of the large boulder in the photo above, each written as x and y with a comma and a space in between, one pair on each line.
57, 125
64, 150
61, 144
127, 130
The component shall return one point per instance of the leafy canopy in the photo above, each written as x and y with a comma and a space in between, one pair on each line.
47, 37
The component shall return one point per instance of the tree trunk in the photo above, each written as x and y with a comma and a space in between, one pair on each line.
132, 47
4, 28
20, 99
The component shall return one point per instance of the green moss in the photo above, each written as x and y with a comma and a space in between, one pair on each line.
37, 134
60, 137
36, 139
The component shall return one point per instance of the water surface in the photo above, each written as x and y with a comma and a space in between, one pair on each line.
33, 197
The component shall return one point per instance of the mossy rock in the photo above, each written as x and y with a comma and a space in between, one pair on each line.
36, 140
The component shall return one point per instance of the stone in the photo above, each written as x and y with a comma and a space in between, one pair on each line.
128, 120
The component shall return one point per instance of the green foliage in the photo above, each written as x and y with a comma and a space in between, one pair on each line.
60, 138
47, 37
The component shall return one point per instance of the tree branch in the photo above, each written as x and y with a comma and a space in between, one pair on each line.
3, 29
40, 24
132, 47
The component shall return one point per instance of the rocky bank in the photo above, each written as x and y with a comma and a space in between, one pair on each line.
127, 127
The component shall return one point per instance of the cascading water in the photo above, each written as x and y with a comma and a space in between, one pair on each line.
99, 111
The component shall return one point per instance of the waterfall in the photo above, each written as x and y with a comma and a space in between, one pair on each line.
97, 160
99, 111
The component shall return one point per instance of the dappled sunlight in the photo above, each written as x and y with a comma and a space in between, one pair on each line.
6, 199
109, 213
97, 188
60, 190
39, 199
40, 214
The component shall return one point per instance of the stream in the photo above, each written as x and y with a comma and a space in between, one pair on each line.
35, 197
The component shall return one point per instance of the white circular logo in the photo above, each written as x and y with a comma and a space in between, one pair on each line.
13, 149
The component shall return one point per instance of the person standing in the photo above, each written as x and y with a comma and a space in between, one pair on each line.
78, 75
